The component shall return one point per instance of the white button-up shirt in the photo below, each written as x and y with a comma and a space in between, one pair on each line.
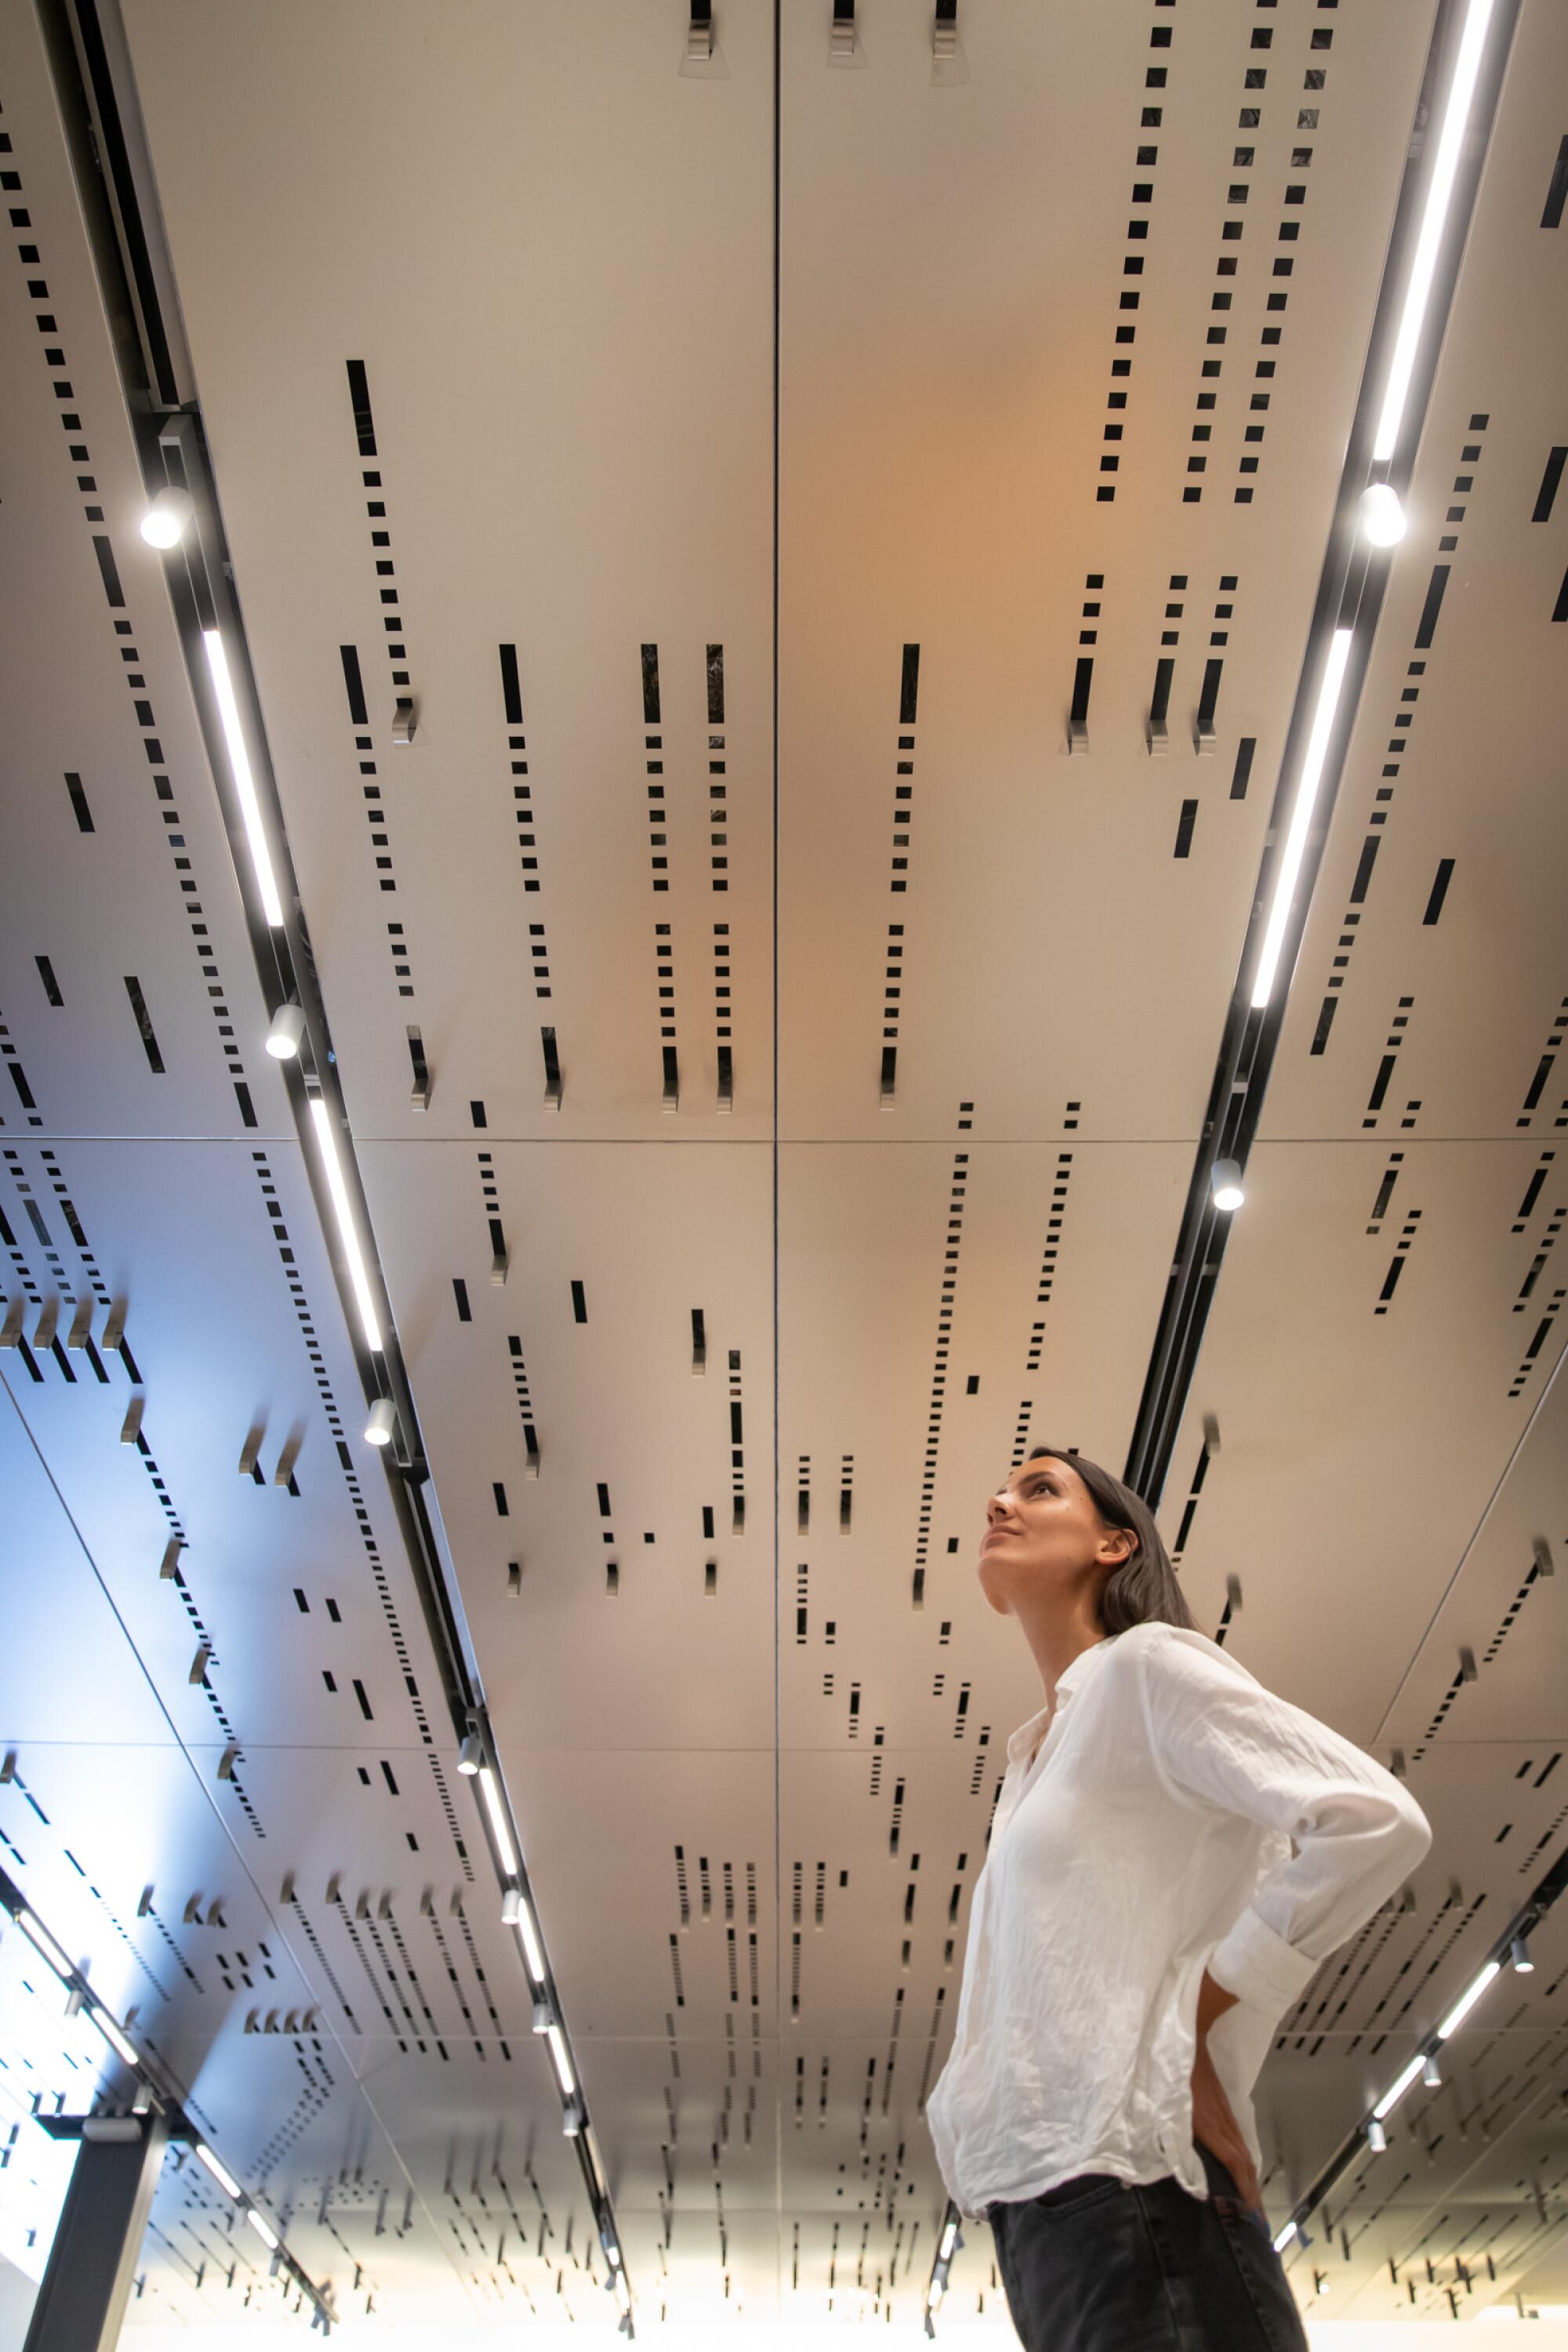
1150, 1840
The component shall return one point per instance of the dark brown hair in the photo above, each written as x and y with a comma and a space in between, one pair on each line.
1145, 1584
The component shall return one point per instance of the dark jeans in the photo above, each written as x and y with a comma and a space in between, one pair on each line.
1095, 2265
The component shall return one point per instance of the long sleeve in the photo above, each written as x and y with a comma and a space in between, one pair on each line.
1219, 1738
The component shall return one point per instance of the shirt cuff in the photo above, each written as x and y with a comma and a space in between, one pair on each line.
1258, 1966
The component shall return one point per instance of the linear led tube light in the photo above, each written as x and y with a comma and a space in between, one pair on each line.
323, 1117
41, 1938
1467, 1999
262, 2227
1467, 68
113, 2036
1402, 2082
245, 783
524, 1925
497, 1822
220, 2173
557, 2042
1301, 815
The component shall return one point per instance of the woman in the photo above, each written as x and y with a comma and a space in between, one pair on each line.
1174, 1852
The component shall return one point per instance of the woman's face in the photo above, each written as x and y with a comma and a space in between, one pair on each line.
1042, 1526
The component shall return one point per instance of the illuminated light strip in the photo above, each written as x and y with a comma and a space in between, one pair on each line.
557, 2042
1301, 815
45, 1944
113, 2036
262, 2227
531, 1952
1466, 2001
220, 2173
498, 1822
245, 783
1445, 164
323, 1117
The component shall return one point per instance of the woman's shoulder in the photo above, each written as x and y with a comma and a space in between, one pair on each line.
1181, 1649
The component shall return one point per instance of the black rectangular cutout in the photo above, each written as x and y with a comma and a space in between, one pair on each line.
355, 686
1244, 752
1164, 673
1082, 677
715, 686
650, 685
1548, 490
78, 801
143, 1022
1209, 698
359, 393
1364, 870
364, 1706
46, 974
910, 686
1552, 216
1559, 610
460, 1292
1189, 817
510, 686
105, 555
1430, 610
1440, 890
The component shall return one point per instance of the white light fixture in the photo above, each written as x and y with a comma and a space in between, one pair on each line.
262, 2227
245, 783
470, 1756
532, 1953
511, 1905
1226, 1181
497, 1822
286, 1033
1466, 66
220, 2173
1376, 2138
41, 1939
322, 1118
948, 2235
557, 2040
1467, 2001
1301, 815
1518, 1952
1381, 515
1401, 2083
383, 1418
166, 522
113, 2036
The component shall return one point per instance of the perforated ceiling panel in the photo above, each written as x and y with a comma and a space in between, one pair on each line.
847, 545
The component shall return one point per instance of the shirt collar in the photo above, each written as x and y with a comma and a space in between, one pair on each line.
1082, 1666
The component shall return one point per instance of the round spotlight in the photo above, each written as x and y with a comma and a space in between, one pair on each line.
166, 519
470, 1756
286, 1033
1381, 515
1227, 1191
379, 1428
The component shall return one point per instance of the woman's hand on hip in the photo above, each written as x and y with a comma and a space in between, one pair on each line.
1216, 2128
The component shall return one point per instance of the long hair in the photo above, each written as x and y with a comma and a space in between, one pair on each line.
1145, 1584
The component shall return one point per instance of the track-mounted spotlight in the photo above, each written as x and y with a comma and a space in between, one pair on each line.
166, 520
286, 1033
1226, 1183
382, 1419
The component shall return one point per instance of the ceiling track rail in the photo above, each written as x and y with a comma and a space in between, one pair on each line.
1351, 590
1350, 595
90, 68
